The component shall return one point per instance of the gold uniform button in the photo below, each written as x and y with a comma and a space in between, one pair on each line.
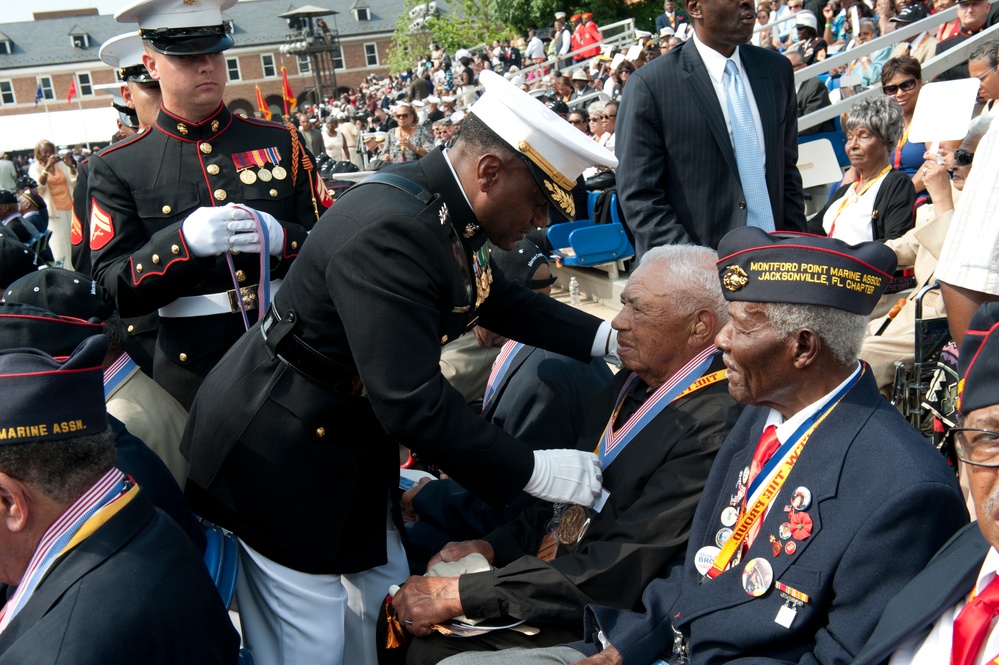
156, 258
131, 329
273, 192
167, 210
183, 357
240, 276
220, 195
174, 249
213, 169
206, 148
321, 432
294, 244
138, 267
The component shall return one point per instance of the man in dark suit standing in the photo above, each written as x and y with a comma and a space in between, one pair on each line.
703, 152
944, 614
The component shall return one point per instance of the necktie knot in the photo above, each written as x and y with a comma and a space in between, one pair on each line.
731, 69
971, 628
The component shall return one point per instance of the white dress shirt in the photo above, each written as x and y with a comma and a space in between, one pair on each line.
714, 62
935, 647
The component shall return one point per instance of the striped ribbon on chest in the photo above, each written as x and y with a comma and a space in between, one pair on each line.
613, 442
500, 367
59, 538
116, 374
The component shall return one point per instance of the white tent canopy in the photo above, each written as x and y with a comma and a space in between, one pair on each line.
63, 128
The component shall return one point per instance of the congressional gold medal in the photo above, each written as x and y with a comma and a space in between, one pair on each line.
247, 177
572, 526
279, 173
264, 175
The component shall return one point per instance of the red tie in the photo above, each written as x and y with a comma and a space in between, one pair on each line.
765, 449
972, 625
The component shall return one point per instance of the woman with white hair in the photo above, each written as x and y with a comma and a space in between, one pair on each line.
876, 201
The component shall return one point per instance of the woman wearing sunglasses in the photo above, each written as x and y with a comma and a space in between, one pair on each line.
902, 79
410, 140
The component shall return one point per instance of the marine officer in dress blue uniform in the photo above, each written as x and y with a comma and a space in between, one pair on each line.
314, 402
180, 214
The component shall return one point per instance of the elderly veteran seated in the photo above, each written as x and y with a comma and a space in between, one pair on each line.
919, 249
537, 396
101, 576
875, 201
821, 503
657, 426
947, 612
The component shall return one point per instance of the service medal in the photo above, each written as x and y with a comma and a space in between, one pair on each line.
279, 173
572, 526
247, 177
264, 175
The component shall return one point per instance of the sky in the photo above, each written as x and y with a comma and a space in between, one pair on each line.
14, 11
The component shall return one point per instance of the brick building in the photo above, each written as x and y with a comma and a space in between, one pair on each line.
60, 49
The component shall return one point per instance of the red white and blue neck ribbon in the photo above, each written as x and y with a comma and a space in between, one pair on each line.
110, 486
116, 374
500, 367
612, 443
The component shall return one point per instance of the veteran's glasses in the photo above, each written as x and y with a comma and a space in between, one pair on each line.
978, 447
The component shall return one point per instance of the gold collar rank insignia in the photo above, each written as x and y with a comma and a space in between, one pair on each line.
735, 278
444, 214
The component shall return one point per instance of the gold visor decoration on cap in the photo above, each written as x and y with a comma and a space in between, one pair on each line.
560, 179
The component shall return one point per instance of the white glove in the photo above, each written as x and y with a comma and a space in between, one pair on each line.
246, 238
565, 476
206, 230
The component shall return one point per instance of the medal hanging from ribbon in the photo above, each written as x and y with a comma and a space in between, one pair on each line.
264, 285
570, 523
245, 161
767, 485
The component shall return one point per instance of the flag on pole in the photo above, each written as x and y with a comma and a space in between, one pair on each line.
289, 96
38, 95
264, 111
72, 91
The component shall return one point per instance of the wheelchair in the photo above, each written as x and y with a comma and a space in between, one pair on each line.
925, 393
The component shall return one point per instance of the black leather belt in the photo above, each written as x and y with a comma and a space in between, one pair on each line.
291, 350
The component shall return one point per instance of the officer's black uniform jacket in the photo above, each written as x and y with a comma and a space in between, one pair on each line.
141, 191
302, 473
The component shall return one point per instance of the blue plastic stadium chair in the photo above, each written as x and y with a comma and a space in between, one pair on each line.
222, 560
591, 244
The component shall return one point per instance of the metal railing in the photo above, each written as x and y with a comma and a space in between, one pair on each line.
933, 67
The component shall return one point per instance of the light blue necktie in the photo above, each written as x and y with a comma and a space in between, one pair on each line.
747, 151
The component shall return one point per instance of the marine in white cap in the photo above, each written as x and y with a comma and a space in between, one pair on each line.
176, 210
345, 368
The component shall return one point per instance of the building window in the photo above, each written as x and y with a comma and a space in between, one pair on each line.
267, 60
232, 66
371, 55
338, 58
46, 83
83, 85
303, 64
363, 14
7, 93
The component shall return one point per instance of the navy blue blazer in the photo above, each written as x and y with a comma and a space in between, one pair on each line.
883, 501
678, 180
948, 578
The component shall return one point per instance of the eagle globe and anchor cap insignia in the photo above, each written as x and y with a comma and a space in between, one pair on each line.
735, 278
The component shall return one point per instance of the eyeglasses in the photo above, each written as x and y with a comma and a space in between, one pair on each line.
963, 157
794, 6
578, 121
609, 117
400, 115
595, 118
904, 86
985, 75
978, 447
